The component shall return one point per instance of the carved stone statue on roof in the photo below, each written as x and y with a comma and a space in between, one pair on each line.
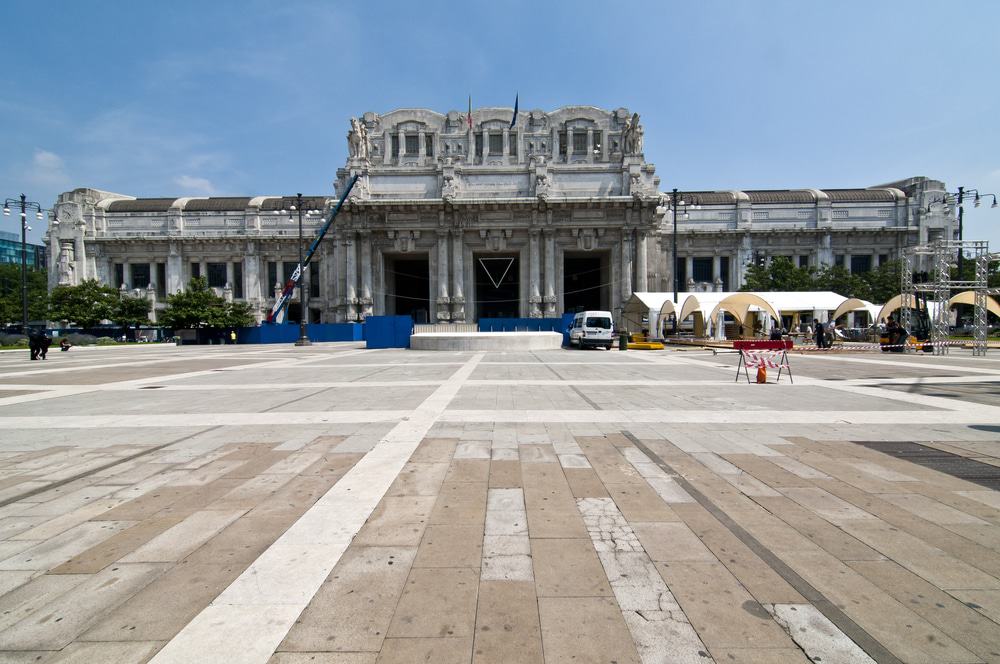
632, 132
358, 143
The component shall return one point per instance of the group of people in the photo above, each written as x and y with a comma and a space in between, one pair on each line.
39, 342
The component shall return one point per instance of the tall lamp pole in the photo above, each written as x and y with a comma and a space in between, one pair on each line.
303, 339
675, 205
25, 205
958, 198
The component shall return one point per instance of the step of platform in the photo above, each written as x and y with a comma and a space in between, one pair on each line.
512, 341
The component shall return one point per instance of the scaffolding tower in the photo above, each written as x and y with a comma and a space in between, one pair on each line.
937, 292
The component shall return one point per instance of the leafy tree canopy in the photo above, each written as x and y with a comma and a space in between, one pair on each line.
86, 304
781, 274
198, 306
10, 294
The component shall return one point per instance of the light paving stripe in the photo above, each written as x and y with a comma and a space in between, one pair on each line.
202, 419
251, 617
816, 635
506, 547
660, 629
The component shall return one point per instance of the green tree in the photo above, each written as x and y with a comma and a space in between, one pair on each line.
10, 294
198, 306
132, 311
87, 304
779, 275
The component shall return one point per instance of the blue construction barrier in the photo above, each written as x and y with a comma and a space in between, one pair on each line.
277, 334
388, 331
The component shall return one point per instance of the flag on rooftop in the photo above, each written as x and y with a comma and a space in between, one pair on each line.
513, 120
469, 116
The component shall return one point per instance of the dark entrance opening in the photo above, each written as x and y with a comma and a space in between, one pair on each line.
294, 313
408, 288
498, 287
585, 280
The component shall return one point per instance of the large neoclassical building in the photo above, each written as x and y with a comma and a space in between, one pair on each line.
457, 217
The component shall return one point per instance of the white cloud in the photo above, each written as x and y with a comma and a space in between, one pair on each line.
47, 169
190, 185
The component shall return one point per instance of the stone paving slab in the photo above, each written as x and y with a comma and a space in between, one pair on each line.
492, 507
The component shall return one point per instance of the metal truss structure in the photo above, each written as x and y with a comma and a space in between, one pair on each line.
938, 291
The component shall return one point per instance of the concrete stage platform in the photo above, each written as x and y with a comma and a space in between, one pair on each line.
486, 341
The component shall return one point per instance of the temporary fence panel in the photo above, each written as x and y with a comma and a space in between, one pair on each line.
388, 331
276, 334
521, 324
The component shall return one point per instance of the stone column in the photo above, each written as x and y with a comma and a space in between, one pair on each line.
443, 315
716, 268
550, 273
534, 297
80, 256
351, 277
626, 265
203, 266
506, 142
364, 237
689, 269
555, 143
175, 269
847, 262
590, 145
336, 294
421, 145
458, 276
251, 278
230, 275
387, 148
402, 146
569, 143
640, 261
126, 274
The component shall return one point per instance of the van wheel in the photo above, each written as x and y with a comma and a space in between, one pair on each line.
608, 347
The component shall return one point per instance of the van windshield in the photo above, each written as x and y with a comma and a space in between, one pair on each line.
601, 322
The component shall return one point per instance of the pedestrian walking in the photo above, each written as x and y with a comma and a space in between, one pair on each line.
44, 344
820, 336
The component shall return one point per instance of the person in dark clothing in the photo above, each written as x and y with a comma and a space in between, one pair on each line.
820, 336
33, 344
44, 344
775, 334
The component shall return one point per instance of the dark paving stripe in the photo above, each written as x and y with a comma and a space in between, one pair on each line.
110, 464
844, 623
583, 396
963, 468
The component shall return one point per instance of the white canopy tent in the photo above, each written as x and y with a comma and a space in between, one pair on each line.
658, 307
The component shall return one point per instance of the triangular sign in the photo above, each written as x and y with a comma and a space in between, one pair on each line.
506, 269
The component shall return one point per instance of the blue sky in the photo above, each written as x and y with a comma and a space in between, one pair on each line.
247, 98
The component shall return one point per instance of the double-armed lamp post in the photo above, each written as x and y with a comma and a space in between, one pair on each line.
25, 205
304, 284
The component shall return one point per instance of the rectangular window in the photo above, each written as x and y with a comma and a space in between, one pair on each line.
496, 143
288, 269
724, 272
579, 142
562, 144
314, 279
429, 144
479, 145
119, 275
161, 280
217, 275
803, 261
140, 275
883, 259
681, 270
861, 264
195, 270
512, 143
702, 268
238, 279
838, 260
598, 142
272, 276
412, 144
395, 145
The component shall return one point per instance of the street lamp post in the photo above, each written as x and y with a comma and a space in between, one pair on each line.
25, 205
675, 206
958, 198
303, 339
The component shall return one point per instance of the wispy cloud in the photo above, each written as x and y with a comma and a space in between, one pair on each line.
47, 169
191, 185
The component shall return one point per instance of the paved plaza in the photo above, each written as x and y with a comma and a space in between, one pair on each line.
337, 505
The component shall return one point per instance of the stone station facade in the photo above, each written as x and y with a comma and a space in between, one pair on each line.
457, 217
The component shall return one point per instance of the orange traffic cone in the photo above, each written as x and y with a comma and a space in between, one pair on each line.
761, 374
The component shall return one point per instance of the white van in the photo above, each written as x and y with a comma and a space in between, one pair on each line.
592, 328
